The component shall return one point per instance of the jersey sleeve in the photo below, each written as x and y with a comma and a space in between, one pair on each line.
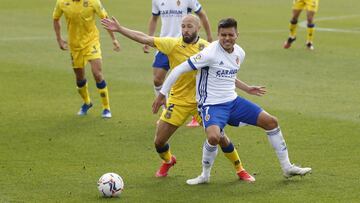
57, 13
200, 60
165, 44
242, 55
195, 6
99, 9
154, 8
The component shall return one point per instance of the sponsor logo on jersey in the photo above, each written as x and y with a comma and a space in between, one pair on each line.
94, 51
168, 115
86, 3
197, 58
162, 4
201, 46
67, 3
171, 12
221, 63
226, 73
207, 117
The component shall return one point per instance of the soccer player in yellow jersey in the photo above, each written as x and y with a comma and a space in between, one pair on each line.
84, 46
311, 7
181, 103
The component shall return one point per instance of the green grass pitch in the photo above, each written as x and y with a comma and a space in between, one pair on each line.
48, 154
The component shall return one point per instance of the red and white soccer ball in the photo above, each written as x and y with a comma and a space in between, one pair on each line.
110, 185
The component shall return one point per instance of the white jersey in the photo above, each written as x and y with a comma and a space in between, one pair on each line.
215, 80
172, 12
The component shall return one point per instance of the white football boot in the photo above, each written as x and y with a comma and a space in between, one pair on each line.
296, 171
198, 180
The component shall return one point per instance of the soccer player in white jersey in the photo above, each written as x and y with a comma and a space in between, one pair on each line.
171, 14
220, 105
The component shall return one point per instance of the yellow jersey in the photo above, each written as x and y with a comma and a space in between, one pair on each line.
183, 91
80, 19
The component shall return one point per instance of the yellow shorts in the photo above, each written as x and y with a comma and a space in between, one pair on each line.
177, 114
310, 5
81, 57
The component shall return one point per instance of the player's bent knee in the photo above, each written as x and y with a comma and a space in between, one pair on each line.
159, 143
293, 21
272, 123
214, 140
158, 82
267, 121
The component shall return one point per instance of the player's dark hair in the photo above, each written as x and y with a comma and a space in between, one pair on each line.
227, 23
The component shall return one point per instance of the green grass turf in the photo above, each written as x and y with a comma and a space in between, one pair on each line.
48, 154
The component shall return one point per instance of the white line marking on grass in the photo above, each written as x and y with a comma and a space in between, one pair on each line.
303, 24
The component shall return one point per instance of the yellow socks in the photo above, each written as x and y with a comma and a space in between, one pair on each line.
82, 87
293, 28
104, 94
231, 153
310, 33
164, 153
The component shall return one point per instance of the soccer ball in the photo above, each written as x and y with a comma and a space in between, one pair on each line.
110, 185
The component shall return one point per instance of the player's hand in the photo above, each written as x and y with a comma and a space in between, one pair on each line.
158, 102
111, 24
146, 48
116, 44
62, 44
256, 90
209, 39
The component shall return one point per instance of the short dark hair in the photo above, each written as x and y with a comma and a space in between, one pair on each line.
227, 23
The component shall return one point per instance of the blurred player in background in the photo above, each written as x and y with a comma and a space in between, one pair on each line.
171, 14
84, 46
181, 103
311, 7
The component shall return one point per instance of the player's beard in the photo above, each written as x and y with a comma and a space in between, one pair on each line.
190, 38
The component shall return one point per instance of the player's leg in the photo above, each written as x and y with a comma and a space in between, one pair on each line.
163, 133
171, 118
159, 75
311, 9
292, 28
96, 67
298, 6
231, 153
214, 119
209, 154
270, 124
81, 82
310, 30
160, 69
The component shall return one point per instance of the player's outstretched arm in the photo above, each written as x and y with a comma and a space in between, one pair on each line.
253, 90
205, 22
57, 28
114, 26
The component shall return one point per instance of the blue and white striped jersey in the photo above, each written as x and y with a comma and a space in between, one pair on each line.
217, 69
